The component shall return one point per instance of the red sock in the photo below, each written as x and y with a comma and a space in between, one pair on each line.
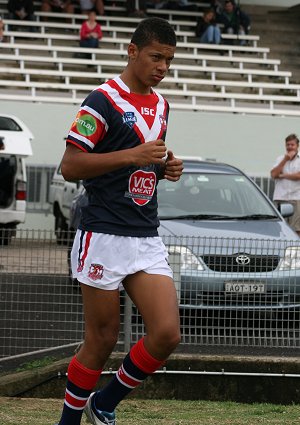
81, 381
137, 365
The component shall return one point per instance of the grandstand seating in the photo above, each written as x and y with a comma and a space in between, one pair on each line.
45, 65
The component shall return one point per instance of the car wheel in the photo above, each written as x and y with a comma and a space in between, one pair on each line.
5, 236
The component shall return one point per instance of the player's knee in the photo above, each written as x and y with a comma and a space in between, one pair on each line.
105, 337
109, 338
168, 338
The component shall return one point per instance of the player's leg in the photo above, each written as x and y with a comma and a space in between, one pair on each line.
156, 299
102, 321
101, 314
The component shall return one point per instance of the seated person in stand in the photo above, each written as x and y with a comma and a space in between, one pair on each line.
235, 21
57, 6
21, 10
2, 39
133, 11
87, 5
206, 29
217, 6
90, 32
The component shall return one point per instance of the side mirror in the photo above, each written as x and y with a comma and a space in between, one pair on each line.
286, 210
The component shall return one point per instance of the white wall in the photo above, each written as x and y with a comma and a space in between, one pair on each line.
250, 142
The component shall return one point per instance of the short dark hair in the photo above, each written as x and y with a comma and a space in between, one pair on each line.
153, 29
292, 137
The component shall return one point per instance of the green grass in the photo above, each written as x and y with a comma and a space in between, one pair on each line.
24, 411
45, 361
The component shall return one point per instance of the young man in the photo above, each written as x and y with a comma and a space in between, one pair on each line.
116, 144
234, 20
286, 173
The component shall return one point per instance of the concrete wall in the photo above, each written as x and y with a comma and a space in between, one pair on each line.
249, 142
261, 387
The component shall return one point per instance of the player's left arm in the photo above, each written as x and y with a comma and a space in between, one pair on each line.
173, 168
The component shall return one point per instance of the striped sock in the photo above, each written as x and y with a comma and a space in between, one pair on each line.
137, 365
80, 384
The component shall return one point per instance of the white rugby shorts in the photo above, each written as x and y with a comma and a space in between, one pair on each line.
103, 261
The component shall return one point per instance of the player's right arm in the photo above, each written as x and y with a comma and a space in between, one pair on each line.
78, 164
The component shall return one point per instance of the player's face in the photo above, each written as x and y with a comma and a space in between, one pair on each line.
149, 65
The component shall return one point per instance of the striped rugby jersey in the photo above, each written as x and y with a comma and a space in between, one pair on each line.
111, 118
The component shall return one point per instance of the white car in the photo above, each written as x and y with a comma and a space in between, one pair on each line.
15, 146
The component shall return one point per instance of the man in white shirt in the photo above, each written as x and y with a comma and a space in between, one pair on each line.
286, 173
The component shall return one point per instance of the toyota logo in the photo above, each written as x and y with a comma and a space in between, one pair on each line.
242, 259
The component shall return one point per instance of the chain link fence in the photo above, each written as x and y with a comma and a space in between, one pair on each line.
231, 292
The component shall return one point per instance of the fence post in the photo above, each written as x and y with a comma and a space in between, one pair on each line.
127, 323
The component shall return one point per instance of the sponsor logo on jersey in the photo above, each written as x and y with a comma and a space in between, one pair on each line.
147, 111
163, 122
95, 271
141, 187
86, 124
129, 119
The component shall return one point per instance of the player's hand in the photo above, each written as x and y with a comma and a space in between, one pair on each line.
173, 167
149, 153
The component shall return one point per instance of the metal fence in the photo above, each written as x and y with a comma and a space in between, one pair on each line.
231, 292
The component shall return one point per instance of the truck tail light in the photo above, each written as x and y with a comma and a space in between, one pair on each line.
21, 191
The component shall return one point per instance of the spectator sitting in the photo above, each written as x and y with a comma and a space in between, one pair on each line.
2, 39
90, 32
206, 29
132, 11
87, 5
181, 5
217, 6
235, 21
57, 6
21, 10
157, 4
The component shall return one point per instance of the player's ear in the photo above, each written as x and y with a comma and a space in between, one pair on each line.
132, 51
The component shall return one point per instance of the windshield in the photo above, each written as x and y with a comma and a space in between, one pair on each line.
213, 196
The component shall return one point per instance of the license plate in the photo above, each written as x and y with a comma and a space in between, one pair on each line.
244, 287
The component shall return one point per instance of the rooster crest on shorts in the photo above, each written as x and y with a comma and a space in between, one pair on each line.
95, 271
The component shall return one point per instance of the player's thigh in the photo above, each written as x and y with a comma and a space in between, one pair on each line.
101, 309
156, 299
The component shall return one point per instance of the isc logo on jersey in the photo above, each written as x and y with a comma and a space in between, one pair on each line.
142, 186
147, 111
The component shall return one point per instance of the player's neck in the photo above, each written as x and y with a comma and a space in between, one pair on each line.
133, 84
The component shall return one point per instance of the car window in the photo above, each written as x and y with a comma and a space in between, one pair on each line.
8, 124
217, 194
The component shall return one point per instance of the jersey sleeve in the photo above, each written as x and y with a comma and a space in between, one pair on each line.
91, 122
